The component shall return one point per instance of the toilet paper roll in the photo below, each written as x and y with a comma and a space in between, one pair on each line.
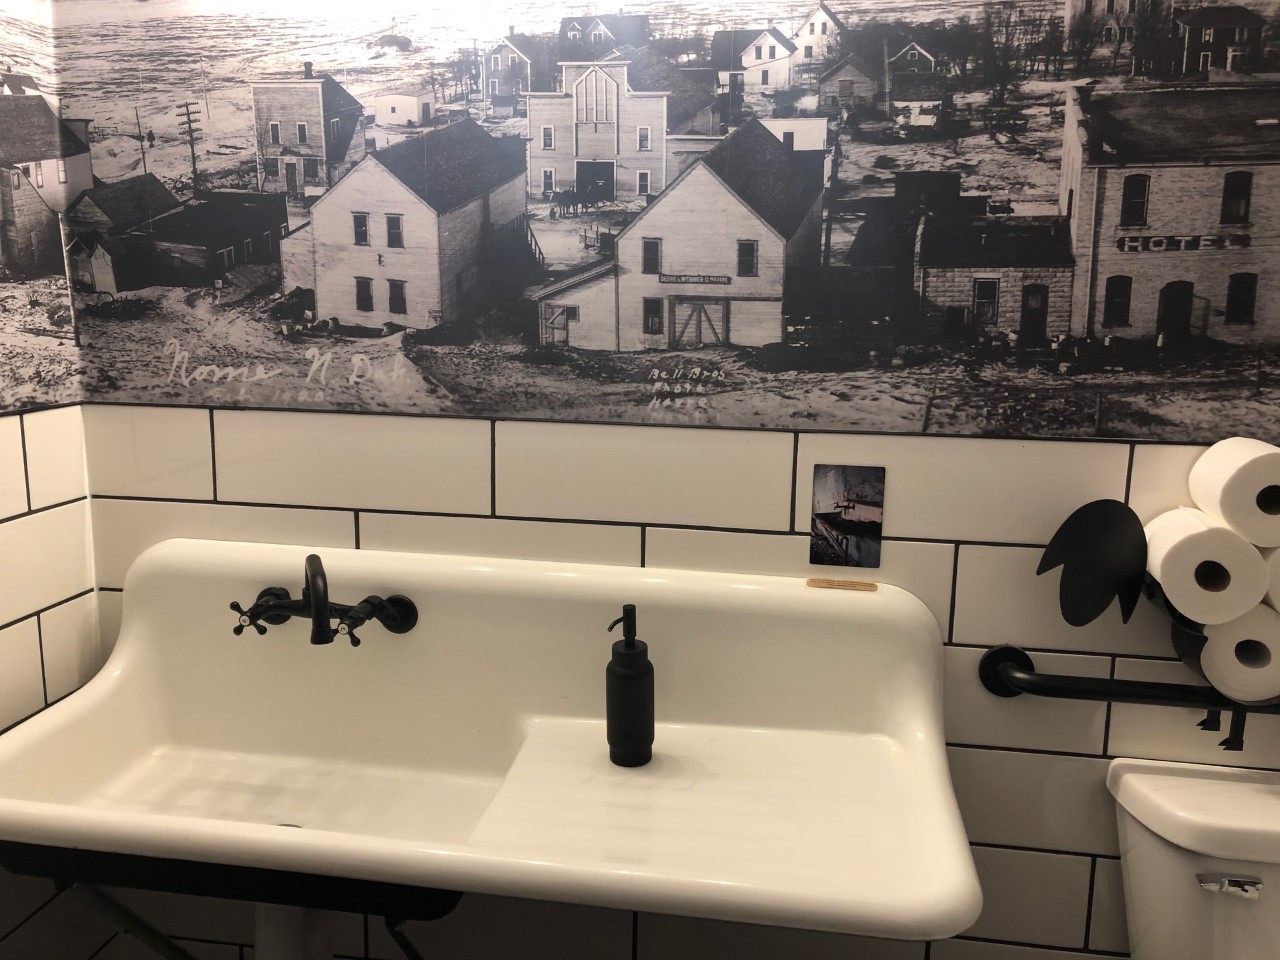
1209, 572
1271, 556
1242, 658
1237, 482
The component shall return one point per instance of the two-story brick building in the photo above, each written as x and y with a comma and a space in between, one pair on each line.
44, 166
309, 133
1173, 195
406, 237
708, 263
598, 134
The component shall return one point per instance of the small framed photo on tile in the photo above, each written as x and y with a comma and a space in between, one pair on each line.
847, 516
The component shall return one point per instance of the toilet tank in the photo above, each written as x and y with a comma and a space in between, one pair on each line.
1200, 851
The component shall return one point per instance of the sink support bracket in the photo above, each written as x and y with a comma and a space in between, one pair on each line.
403, 942
126, 920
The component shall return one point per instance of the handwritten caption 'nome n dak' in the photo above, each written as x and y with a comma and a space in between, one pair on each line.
319, 365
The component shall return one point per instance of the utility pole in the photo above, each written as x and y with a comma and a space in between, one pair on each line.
888, 81
187, 120
204, 83
142, 143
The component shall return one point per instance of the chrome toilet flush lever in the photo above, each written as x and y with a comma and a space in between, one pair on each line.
274, 606
1245, 888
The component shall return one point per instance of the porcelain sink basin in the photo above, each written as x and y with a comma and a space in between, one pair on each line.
799, 774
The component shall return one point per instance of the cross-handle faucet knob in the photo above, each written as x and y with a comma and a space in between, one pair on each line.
347, 630
248, 618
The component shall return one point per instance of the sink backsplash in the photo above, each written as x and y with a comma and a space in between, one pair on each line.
965, 520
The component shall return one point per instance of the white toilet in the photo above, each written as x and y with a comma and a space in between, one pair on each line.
1200, 849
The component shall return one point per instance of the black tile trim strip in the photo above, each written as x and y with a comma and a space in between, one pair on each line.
213, 456
26, 467
1128, 473
1019, 848
35, 613
111, 589
42, 407
493, 468
955, 589
644, 545
838, 431
32, 513
1088, 907
44, 676
356, 516
795, 474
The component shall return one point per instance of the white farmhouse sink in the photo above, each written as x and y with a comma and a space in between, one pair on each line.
799, 776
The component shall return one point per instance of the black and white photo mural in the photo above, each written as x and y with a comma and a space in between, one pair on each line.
1034, 219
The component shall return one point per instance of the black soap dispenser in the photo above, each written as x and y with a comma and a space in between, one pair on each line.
628, 694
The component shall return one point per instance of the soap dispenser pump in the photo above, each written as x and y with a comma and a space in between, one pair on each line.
628, 686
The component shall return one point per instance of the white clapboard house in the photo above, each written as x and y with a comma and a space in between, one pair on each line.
707, 263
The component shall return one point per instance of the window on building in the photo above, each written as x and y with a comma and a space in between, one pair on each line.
397, 302
335, 128
773, 52
275, 132
759, 53
15, 179
597, 37
39, 173
1111, 6
1128, 34
824, 28
393, 109
571, 314
986, 301
1108, 34
748, 258
642, 182
497, 62
493, 88
1133, 200
1242, 34
574, 35
364, 294
643, 139
62, 171
302, 133
1133, 6
511, 62
395, 230
360, 225
248, 251
652, 315
310, 169
1207, 35
548, 138
764, 78
812, 27
651, 256
808, 53
1242, 297
594, 94
1237, 190
1115, 301
789, 140
266, 244
270, 168
912, 55
548, 181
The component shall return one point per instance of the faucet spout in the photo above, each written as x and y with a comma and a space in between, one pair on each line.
315, 598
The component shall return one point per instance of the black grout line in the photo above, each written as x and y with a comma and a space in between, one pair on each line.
493, 468
1106, 724
1128, 473
110, 589
44, 673
928, 949
213, 456
1088, 905
795, 471
35, 613
1022, 848
644, 544
1074, 951
960, 745
951, 611
356, 515
26, 468
14, 929
39, 510
635, 934
110, 940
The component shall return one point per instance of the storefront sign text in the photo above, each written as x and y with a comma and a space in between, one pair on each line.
1193, 242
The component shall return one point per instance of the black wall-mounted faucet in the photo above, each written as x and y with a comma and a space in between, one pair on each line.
274, 606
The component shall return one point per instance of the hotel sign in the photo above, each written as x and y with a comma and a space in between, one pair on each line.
690, 278
1190, 243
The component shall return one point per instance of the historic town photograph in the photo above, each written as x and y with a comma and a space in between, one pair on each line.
1028, 219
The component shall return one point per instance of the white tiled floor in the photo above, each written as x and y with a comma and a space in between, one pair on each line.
55, 455
732, 478
1035, 800
345, 460
490, 537
1107, 930
1038, 898
921, 568
952, 488
64, 930
999, 599
124, 528
148, 452
974, 950
974, 716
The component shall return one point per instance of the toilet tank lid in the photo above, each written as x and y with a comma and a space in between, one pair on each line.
1223, 812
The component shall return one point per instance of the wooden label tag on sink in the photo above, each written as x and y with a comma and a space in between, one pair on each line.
841, 584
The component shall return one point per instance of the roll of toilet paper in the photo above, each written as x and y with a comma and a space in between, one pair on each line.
1271, 556
1237, 482
1242, 657
1209, 572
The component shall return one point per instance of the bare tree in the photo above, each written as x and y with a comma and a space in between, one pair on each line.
1000, 32
1083, 37
1150, 35
961, 44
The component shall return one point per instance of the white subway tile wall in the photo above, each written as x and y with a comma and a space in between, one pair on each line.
13, 474
72, 646
55, 456
965, 519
